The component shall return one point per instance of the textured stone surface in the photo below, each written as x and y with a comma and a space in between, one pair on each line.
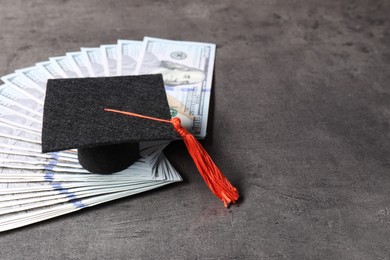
300, 125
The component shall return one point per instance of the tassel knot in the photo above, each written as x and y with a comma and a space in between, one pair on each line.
176, 122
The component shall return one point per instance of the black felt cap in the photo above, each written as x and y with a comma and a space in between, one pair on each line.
74, 117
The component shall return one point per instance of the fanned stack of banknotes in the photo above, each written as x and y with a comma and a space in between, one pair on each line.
36, 186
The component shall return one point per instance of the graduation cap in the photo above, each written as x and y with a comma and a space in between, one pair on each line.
74, 117
89, 114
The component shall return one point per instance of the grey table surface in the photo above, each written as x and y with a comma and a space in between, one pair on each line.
300, 124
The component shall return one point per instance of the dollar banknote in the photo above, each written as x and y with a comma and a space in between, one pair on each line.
36, 74
36, 186
187, 70
109, 59
78, 60
94, 62
67, 66
51, 69
25, 86
128, 55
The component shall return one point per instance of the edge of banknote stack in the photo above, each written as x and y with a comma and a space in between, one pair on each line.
35, 186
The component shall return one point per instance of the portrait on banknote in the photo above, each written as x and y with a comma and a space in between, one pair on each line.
174, 74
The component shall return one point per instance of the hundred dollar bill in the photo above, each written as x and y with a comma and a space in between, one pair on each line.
9, 131
128, 54
10, 96
37, 165
26, 217
11, 146
33, 208
26, 173
57, 161
10, 189
77, 58
187, 69
44, 162
144, 169
65, 63
7, 104
109, 59
58, 190
36, 74
69, 157
52, 167
23, 190
53, 69
21, 203
10, 143
25, 86
93, 61
7, 207
20, 121
14, 106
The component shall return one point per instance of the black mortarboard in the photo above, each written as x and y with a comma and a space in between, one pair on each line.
74, 117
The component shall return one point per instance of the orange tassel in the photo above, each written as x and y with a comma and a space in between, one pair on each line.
213, 177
